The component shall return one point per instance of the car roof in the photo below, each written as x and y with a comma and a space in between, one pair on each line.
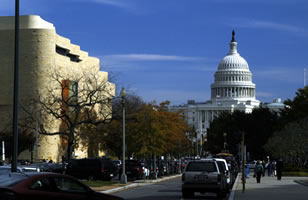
203, 160
12, 177
218, 159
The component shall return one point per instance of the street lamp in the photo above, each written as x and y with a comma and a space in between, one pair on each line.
225, 142
123, 176
205, 143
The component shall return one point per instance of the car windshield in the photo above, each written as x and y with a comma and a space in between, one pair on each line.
10, 179
201, 166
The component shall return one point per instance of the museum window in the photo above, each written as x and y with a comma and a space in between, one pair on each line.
65, 52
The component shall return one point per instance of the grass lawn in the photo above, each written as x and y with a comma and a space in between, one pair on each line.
98, 183
294, 173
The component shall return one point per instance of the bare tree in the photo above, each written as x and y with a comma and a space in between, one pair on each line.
69, 100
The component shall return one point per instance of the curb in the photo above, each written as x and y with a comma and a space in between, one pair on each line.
232, 194
120, 188
305, 183
139, 183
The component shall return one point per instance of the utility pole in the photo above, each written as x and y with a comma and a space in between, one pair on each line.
3, 151
15, 100
304, 77
243, 161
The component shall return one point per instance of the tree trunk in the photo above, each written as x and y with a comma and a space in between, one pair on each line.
70, 147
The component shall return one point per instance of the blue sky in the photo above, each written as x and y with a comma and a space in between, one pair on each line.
170, 49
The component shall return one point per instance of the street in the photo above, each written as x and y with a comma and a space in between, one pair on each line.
170, 190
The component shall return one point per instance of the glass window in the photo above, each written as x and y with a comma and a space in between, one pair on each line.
68, 185
201, 166
42, 185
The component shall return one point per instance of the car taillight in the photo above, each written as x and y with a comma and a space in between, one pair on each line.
138, 169
183, 177
102, 170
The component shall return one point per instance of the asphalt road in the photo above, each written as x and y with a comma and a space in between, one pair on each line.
166, 190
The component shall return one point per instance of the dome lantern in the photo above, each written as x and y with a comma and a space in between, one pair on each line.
233, 45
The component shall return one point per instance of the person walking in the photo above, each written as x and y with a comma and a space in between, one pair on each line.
264, 167
247, 170
258, 171
279, 167
269, 169
274, 168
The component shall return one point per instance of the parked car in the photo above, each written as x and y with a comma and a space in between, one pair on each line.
203, 176
134, 169
7, 168
163, 168
252, 164
118, 164
47, 186
2, 163
49, 167
154, 169
92, 169
223, 166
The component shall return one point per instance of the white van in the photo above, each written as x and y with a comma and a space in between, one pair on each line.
222, 163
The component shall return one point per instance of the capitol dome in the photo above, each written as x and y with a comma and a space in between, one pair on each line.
233, 79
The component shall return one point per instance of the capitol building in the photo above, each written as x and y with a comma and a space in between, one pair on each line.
232, 89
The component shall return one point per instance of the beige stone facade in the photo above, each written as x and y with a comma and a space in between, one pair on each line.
41, 51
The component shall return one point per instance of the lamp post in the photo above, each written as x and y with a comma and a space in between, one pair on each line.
205, 147
225, 142
123, 176
15, 98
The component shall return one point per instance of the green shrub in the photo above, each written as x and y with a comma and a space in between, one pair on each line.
294, 173
293, 168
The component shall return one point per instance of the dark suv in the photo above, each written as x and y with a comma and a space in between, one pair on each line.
92, 168
134, 169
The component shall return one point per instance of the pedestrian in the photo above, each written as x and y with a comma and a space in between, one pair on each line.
247, 170
258, 171
279, 167
264, 168
269, 169
274, 168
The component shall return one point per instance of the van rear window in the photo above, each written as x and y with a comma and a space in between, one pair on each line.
201, 166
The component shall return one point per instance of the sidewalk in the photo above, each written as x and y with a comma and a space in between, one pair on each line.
137, 183
270, 188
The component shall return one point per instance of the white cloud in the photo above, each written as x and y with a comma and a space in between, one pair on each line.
148, 57
279, 74
263, 94
259, 24
117, 3
131, 6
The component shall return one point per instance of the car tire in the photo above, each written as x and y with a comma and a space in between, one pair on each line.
221, 194
187, 194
